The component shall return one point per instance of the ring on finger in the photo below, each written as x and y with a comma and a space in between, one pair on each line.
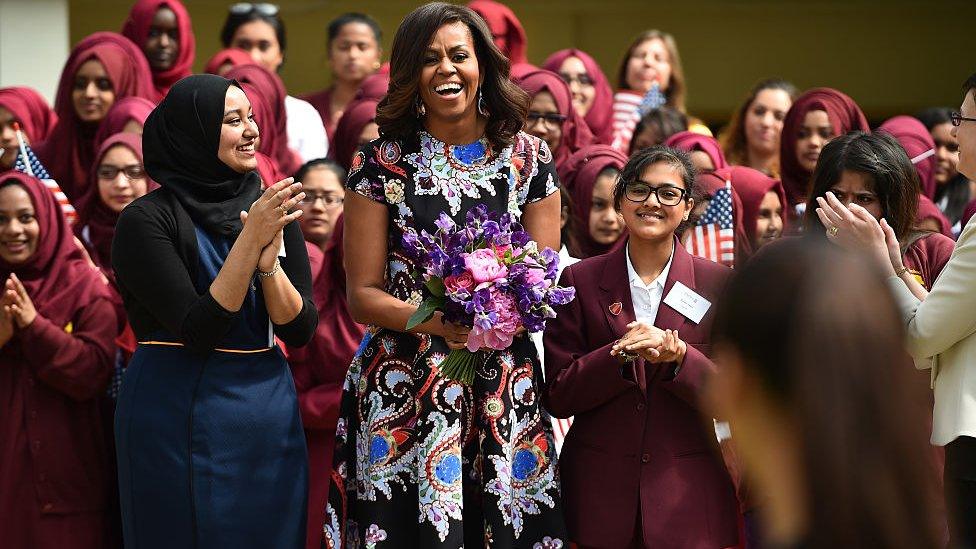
282, 209
833, 230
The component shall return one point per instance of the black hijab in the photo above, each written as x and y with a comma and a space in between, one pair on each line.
179, 144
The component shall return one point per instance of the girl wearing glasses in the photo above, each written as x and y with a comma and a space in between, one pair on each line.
552, 116
592, 95
628, 358
120, 178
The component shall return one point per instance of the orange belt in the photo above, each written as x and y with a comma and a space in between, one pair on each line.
238, 351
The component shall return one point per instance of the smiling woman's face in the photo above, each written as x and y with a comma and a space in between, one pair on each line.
451, 75
238, 133
19, 229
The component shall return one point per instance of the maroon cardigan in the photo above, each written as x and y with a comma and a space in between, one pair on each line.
638, 441
54, 454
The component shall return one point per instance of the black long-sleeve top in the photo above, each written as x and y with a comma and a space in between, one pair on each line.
156, 260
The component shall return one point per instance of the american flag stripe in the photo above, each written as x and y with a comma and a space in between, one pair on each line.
714, 236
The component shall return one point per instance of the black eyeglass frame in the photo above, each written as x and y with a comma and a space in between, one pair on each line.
655, 190
957, 118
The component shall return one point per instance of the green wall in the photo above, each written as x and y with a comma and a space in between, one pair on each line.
892, 57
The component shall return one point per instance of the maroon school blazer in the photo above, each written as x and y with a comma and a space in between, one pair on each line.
638, 440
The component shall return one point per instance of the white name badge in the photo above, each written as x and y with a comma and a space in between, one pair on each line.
683, 299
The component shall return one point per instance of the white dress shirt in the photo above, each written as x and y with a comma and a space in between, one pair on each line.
306, 132
647, 297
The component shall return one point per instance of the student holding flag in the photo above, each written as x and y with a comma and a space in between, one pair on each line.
628, 358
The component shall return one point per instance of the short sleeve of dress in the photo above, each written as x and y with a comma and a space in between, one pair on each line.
543, 180
363, 174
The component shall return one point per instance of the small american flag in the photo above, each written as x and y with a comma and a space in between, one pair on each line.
713, 237
27, 162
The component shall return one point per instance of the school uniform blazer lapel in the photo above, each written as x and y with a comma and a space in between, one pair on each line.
615, 300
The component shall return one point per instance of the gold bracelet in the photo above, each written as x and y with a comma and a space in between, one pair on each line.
272, 272
901, 271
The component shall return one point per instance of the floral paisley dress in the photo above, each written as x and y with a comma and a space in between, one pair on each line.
420, 460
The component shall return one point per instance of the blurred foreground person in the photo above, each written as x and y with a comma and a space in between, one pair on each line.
811, 379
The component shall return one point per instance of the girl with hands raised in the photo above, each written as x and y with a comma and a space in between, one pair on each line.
864, 199
212, 270
57, 344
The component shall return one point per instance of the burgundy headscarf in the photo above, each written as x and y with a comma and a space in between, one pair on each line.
928, 210
374, 87
69, 152
234, 56
693, 141
338, 335
576, 134
122, 112
57, 277
136, 28
508, 32
598, 118
917, 142
35, 116
273, 122
581, 171
845, 116
94, 214
751, 186
356, 116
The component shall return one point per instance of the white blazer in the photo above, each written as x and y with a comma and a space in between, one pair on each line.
942, 336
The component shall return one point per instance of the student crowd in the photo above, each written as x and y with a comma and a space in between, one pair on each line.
807, 357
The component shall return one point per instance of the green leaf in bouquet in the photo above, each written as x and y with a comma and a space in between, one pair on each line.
424, 312
436, 287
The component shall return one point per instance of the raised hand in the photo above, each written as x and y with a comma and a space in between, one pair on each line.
18, 303
269, 213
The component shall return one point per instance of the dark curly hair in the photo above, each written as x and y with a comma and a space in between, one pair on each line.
396, 114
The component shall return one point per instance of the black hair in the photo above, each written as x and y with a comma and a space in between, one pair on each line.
883, 160
934, 116
644, 158
234, 21
335, 26
567, 235
665, 120
326, 163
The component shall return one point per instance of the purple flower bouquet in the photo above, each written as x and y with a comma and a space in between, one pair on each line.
487, 275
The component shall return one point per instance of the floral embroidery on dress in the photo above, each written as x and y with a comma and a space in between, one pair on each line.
416, 452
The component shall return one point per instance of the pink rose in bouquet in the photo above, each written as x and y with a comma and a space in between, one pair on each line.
484, 266
459, 284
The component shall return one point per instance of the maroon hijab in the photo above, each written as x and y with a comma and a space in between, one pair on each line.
710, 183
35, 116
508, 32
122, 112
234, 56
274, 119
928, 210
357, 115
136, 28
918, 144
69, 152
58, 277
374, 87
691, 141
845, 116
599, 117
95, 217
581, 171
576, 134
751, 186
338, 335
